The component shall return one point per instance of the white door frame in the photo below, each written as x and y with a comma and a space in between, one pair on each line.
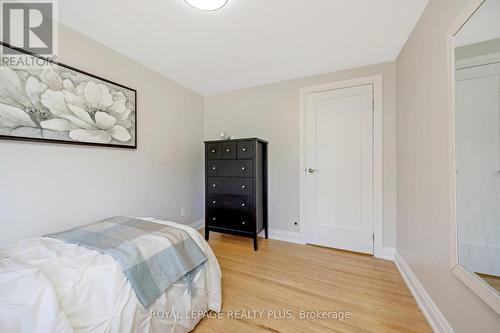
376, 81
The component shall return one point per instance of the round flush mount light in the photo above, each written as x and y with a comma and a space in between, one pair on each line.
207, 4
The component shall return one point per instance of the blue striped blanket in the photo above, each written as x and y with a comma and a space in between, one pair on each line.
152, 256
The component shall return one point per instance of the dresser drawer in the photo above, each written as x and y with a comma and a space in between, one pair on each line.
240, 221
238, 186
228, 150
230, 168
246, 149
213, 151
230, 202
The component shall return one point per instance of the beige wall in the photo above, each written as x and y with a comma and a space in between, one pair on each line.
49, 187
423, 230
272, 113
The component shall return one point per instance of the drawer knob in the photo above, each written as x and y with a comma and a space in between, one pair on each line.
228, 150
243, 222
243, 186
214, 218
214, 201
243, 168
214, 168
214, 185
214, 151
243, 204
244, 149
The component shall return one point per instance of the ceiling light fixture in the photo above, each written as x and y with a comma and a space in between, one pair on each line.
207, 4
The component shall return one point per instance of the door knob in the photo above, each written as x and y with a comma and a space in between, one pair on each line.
311, 170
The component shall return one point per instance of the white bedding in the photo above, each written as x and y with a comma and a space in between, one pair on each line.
47, 285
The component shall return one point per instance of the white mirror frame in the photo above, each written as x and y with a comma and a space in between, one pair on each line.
474, 282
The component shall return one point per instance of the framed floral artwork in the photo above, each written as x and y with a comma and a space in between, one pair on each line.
57, 103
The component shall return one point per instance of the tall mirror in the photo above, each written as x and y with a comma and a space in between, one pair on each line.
477, 149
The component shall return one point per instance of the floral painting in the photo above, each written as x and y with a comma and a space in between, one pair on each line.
58, 103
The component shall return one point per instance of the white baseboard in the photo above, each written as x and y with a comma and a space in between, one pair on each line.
283, 235
198, 224
388, 253
424, 301
295, 237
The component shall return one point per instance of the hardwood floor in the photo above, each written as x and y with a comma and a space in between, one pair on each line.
288, 278
492, 280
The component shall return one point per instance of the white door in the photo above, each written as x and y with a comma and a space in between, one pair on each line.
339, 167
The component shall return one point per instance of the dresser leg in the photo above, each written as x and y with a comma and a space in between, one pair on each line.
266, 231
206, 234
255, 244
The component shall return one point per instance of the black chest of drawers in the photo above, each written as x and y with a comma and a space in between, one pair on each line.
236, 187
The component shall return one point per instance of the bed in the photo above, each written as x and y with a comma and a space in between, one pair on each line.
48, 285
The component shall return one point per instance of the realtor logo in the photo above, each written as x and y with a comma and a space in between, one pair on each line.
29, 25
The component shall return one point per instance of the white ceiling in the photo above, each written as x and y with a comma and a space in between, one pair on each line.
248, 42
